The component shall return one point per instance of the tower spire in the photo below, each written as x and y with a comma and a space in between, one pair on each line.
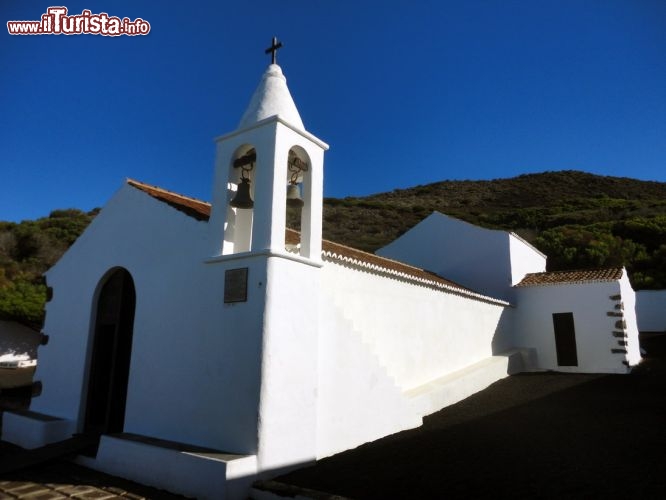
272, 97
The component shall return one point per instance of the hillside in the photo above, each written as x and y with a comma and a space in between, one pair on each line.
579, 220
529, 203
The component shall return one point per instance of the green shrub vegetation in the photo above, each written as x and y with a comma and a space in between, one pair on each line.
27, 250
579, 220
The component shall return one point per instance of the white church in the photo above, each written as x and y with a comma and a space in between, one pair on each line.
208, 345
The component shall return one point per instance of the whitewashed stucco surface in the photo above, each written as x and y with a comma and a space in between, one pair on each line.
380, 337
417, 333
181, 367
651, 310
590, 304
271, 98
524, 259
487, 261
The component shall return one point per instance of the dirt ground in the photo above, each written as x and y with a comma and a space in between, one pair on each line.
542, 435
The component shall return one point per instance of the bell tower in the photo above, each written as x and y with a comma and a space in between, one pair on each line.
260, 168
269, 155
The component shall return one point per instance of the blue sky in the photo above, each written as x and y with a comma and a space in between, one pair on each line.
405, 93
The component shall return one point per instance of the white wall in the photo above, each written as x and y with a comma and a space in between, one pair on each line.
288, 406
192, 355
524, 259
475, 257
381, 336
628, 307
416, 332
357, 400
651, 310
590, 304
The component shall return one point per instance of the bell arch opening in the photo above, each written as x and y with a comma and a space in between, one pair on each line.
240, 213
298, 196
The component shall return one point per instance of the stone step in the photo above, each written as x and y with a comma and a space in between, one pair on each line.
458, 385
71, 447
181, 468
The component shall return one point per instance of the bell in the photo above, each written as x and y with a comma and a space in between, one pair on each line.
243, 198
294, 196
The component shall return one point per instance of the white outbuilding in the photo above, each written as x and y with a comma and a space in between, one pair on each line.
208, 345
570, 321
579, 321
488, 260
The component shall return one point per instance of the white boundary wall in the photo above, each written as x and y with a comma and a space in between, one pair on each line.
651, 310
380, 337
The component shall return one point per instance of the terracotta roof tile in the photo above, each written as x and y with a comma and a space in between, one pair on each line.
200, 210
579, 276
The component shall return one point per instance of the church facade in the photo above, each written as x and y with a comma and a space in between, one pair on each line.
208, 344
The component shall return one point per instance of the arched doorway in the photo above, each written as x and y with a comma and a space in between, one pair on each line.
110, 361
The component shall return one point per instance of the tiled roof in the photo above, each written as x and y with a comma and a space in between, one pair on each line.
580, 276
200, 210
383, 265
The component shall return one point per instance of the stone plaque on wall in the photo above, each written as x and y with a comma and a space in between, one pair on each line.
235, 285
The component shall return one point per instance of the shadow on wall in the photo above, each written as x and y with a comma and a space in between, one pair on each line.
503, 340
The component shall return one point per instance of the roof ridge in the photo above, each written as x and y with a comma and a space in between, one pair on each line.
580, 270
374, 255
192, 207
590, 275
139, 184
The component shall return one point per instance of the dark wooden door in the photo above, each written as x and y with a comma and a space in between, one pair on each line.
110, 362
565, 339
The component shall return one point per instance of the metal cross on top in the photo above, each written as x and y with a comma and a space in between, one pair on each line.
275, 45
